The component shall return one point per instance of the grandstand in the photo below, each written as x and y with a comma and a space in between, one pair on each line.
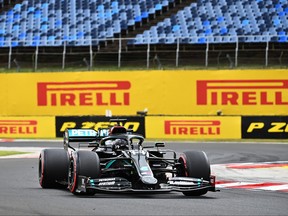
209, 30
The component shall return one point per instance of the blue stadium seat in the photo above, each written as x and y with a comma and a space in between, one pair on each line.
51, 22
230, 19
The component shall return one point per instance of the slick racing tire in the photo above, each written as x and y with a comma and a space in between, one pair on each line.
83, 163
53, 168
194, 164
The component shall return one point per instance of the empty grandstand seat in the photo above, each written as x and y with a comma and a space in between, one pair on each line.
39, 23
58, 14
231, 19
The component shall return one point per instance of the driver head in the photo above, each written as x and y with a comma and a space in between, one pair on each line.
120, 144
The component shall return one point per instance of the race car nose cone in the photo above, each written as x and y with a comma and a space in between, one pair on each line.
148, 180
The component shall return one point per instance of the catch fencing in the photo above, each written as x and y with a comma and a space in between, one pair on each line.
232, 52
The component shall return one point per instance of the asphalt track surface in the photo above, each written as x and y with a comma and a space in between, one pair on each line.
20, 193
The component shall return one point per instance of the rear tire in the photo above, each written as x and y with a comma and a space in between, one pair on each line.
83, 163
195, 164
53, 168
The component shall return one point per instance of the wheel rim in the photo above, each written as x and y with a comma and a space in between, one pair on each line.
182, 170
40, 171
72, 176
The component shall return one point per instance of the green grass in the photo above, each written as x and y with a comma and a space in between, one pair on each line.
7, 153
139, 67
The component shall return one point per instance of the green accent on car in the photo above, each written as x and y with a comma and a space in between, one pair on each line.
110, 163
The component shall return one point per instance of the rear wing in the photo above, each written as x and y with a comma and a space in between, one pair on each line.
80, 135
84, 135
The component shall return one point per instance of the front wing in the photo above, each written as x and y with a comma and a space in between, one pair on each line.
117, 184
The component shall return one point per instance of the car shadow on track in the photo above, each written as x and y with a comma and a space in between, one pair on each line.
143, 196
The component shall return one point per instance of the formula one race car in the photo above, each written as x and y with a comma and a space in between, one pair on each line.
117, 160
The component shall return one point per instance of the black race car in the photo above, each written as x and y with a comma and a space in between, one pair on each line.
118, 160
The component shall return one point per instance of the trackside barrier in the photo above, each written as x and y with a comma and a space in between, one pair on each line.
183, 92
195, 127
153, 127
264, 127
27, 127
135, 123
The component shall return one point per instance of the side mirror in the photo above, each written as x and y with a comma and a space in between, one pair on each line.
93, 144
159, 144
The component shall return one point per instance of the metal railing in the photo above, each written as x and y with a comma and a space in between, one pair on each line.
235, 52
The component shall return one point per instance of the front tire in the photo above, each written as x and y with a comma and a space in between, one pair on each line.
53, 168
195, 164
83, 163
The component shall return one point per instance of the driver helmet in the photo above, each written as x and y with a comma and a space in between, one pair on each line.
120, 143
